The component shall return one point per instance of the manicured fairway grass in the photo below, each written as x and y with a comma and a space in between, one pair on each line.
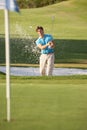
64, 20
45, 103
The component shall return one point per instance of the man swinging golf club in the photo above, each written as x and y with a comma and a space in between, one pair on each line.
46, 44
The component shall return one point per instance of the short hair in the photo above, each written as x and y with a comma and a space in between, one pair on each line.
39, 27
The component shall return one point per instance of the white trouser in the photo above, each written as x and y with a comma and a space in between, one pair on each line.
46, 60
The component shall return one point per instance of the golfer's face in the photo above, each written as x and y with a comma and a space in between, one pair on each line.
40, 32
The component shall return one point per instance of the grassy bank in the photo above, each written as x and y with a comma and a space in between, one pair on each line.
65, 20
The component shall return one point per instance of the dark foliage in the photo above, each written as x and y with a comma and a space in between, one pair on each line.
36, 3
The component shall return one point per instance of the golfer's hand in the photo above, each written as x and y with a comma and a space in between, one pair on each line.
51, 44
48, 44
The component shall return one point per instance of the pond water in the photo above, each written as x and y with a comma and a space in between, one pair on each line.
31, 71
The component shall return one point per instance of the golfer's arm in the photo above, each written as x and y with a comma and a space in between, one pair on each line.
43, 46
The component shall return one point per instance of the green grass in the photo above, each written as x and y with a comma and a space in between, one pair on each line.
45, 103
69, 29
70, 20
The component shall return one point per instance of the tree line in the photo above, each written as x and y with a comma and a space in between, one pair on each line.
36, 3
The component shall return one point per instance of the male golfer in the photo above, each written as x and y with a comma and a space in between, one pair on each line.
46, 44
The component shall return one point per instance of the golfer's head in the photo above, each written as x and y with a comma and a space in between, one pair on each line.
40, 30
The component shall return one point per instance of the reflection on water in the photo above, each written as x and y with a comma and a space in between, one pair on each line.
31, 71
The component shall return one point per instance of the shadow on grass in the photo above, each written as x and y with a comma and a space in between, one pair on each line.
24, 51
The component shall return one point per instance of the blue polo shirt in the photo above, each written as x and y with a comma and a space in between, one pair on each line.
43, 41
